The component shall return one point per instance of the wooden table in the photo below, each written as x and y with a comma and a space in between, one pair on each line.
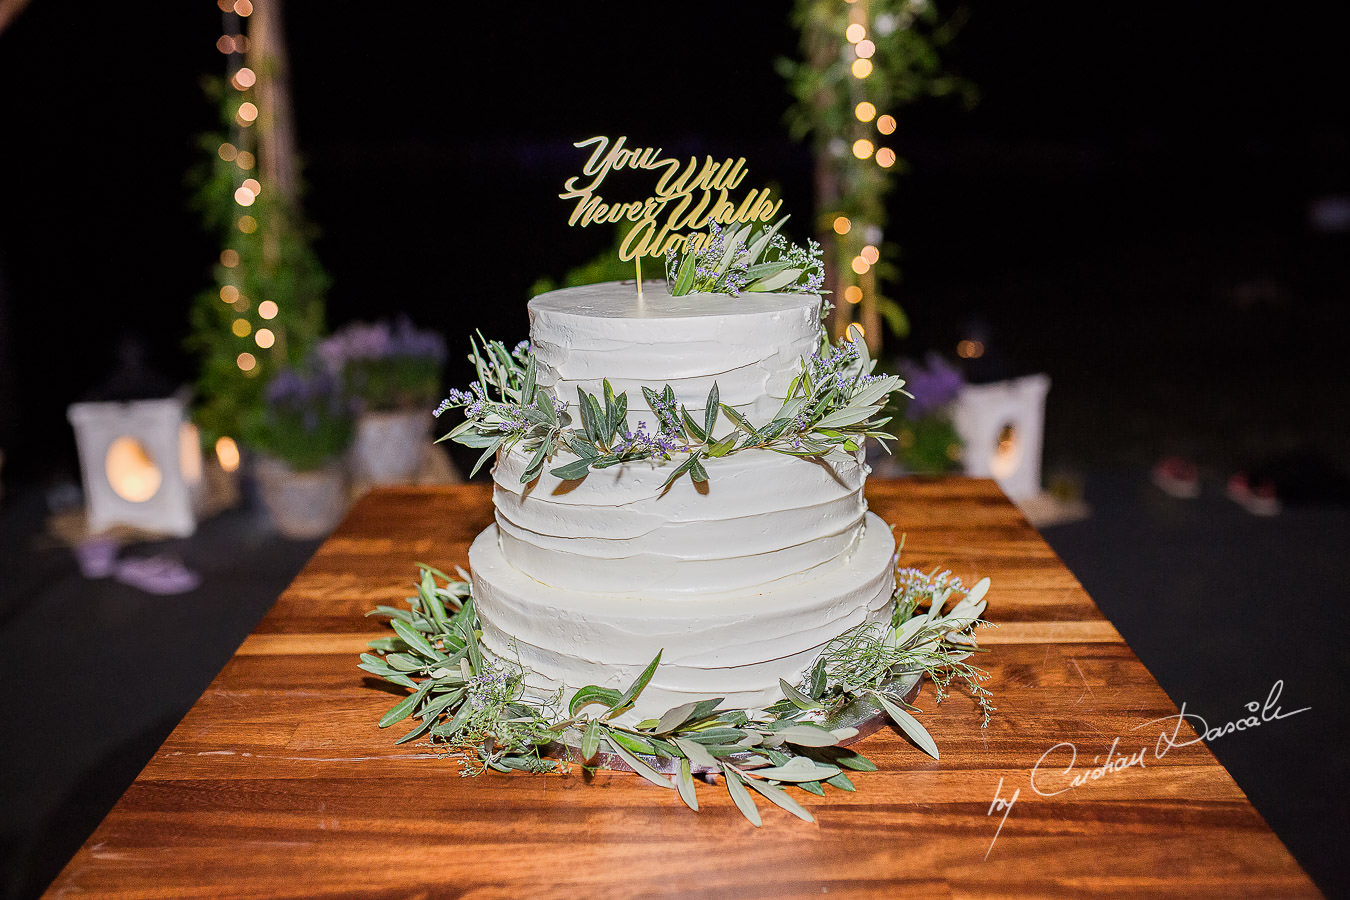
279, 783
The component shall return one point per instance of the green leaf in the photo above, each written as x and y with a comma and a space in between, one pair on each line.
628, 696
405, 707
414, 639
855, 761
799, 768
710, 412
841, 781
691, 427
807, 735
696, 471
527, 387
632, 742
576, 469
762, 242
812, 787
581, 447
741, 421
536, 463
780, 797
744, 802
908, 724
488, 453
683, 467
774, 282
723, 447
818, 679
600, 420
674, 718
592, 694
696, 753
590, 740
684, 781
684, 276
798, 699
734, 241
638, 765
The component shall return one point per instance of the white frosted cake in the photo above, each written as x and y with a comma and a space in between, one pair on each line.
740, 580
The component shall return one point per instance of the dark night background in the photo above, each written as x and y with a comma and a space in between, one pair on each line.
1127, 208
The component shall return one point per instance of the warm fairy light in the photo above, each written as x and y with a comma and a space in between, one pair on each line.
842, 225
229, 258
247, 112
229, 293
244, 197
227, 452
252, 185
227, 151
225, 5
885, 157
241, 305
246, 361
861, 265
862, 148
853, 294
245, 160
248, 224
865, 49
241, 328
862, 68
862, 332
225, 44
855, 33
865, 111
267, 309
240, 43
970, 349
870, 253
243, 8
265, 338
886, 124
244, 79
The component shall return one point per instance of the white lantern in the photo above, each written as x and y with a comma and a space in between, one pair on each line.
1002, 426
142, 464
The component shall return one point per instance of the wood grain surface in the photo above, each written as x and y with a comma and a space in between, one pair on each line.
278, 782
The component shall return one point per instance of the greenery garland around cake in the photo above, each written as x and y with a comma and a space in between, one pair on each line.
475, 703
833, 404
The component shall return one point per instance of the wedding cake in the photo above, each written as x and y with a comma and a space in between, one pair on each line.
738, 580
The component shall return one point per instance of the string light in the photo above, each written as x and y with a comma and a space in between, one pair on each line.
865, 49
248, 224
244, 79
885, 157
228, 152
227, 452
886, 124
243, 8
970, 349
865, 111
252, 185
853, 294
229, 258
855, 33
862, 148
265, 338
229, 293
862, 68
861, 265
842, 225
248, 113
246, 361
870, 254
241, 328
225, 44
244, 197
267, 309
245, 160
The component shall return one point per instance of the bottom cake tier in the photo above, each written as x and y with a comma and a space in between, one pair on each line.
732, 644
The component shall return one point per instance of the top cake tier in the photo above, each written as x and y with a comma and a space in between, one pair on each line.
749, 345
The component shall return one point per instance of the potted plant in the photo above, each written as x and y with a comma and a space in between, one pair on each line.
393, 371
303, 430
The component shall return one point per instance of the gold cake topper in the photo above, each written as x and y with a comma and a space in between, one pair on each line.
686, 199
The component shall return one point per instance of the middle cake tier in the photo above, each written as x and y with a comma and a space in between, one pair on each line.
762, 518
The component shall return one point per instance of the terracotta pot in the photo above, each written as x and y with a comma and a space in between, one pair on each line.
303, 505
388, 447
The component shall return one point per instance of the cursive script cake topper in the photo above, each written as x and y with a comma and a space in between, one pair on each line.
688, 198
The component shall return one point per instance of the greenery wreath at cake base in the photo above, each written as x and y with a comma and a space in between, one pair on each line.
475, 703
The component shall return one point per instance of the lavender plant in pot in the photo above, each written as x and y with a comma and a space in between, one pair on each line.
393, 370
302, 432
